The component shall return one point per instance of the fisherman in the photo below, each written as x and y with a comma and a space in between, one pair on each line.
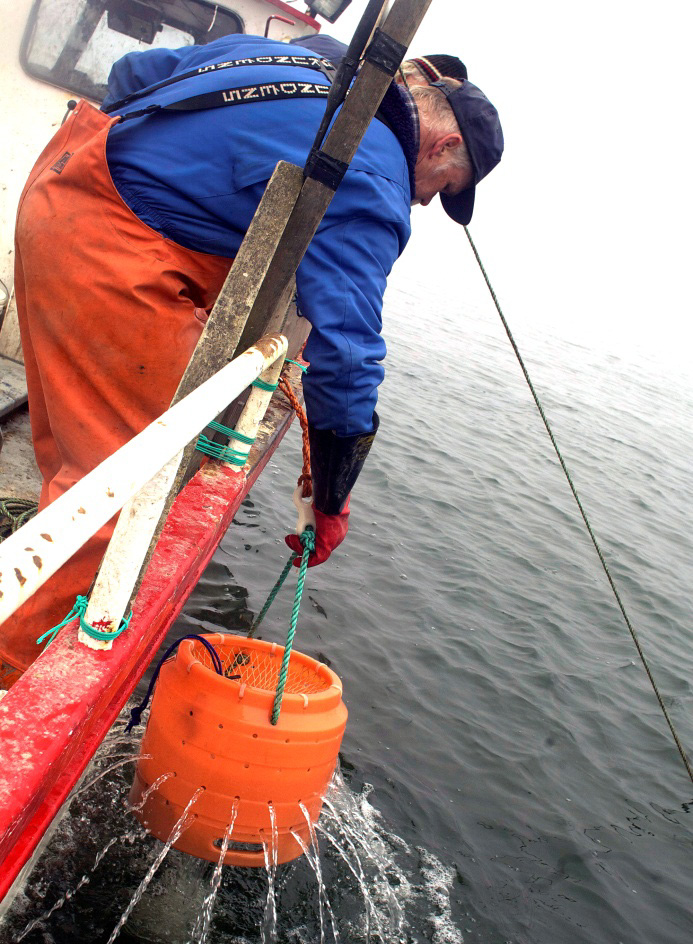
145, 213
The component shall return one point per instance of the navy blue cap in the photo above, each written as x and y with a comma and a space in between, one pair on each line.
480, 127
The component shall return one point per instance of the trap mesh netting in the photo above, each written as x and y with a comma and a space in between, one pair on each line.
259, 668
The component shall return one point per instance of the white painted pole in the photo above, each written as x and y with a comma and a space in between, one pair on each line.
34, 553
256, 405
138, 520
122, 561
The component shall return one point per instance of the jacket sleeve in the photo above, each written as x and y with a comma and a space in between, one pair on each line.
138, 70
340, 285
323, 45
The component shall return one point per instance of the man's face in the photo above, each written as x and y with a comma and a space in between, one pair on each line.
450, 180
435, 174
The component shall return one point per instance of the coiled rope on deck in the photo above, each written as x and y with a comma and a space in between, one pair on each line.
591, 533
14, 512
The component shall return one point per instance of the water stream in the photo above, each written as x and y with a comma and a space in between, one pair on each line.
269, 927
181, 825
201, 928
358, 875
173, 898
162, 778
130, 759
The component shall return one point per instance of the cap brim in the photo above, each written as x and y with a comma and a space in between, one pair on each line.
460, 207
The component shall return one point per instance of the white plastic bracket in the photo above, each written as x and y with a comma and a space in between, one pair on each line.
304, 506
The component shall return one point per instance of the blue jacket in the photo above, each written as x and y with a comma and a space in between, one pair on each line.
197, 178
327, 46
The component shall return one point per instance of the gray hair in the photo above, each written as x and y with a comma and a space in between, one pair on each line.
434, 109
411, 74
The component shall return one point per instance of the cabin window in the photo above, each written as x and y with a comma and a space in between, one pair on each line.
74, 43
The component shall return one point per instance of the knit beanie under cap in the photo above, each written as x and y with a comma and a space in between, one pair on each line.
435, 67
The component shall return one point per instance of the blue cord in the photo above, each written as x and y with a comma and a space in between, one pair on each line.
136, 713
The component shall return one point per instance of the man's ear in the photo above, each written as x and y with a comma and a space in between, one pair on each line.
445, 143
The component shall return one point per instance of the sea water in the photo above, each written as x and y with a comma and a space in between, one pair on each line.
507, 773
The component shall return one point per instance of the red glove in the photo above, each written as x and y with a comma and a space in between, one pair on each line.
330, 532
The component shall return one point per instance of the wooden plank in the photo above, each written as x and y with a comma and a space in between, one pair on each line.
219, 339
12, 386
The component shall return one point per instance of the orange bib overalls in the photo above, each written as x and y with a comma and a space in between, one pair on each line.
109, 313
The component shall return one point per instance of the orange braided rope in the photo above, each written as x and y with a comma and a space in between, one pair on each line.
304, 479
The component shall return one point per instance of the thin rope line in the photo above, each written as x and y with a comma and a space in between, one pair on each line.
630, 626
272, 594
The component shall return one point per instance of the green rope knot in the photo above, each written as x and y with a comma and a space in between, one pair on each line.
308, 540
78, 610
223, 451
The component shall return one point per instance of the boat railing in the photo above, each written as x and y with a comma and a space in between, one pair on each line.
136, 478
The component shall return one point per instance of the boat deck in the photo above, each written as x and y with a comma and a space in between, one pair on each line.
19, 474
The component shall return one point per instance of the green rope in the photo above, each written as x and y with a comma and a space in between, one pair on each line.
308, 542
78, 610
263, 385
231, 433
273, 593
14, 512
591, 533
287, 360
220, 451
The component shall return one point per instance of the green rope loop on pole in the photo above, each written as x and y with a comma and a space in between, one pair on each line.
263, 385
78, 610
231, 433
104, 635
308, 542
220, 451
288, 360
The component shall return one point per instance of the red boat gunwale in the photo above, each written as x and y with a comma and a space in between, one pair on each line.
54, 718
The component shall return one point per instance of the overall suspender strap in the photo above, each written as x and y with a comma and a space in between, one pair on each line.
267, 91
302, 62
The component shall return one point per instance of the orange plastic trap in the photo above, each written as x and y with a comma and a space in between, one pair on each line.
212, 731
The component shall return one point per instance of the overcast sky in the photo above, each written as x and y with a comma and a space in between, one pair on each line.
586, 222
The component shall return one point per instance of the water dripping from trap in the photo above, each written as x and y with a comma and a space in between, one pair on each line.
102, 879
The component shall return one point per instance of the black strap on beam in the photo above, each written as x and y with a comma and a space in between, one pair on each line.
325, 169
385, 53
